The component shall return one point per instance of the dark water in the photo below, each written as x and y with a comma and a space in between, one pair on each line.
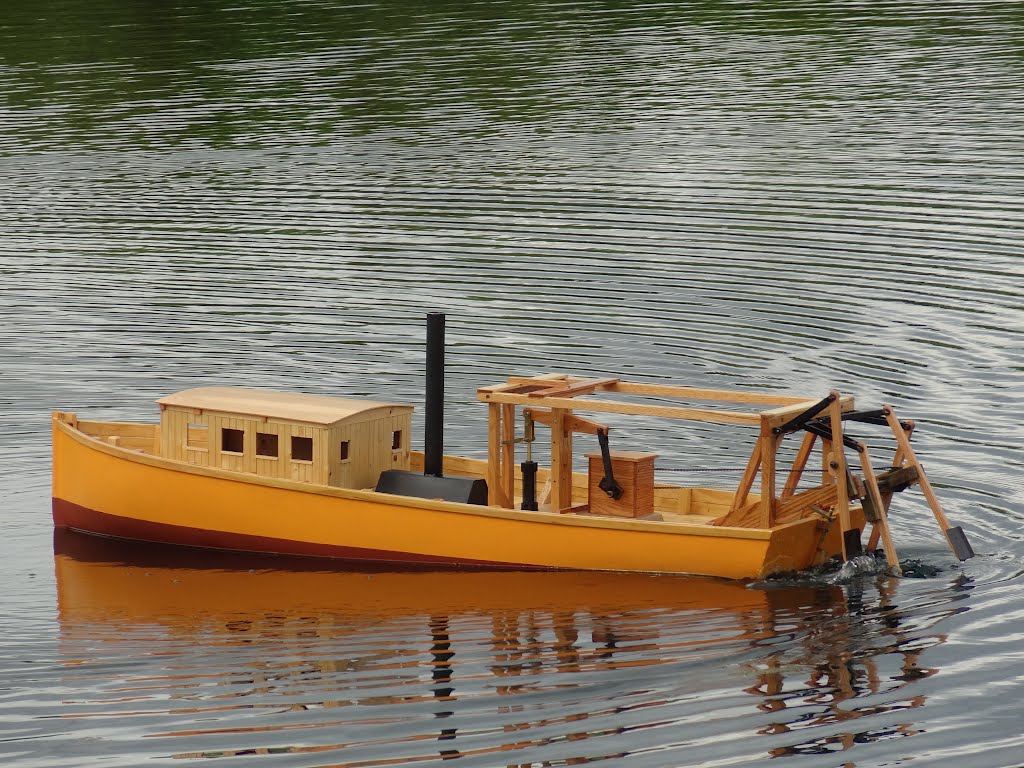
787, 196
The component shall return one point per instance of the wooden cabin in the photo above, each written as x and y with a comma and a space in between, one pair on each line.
343, 442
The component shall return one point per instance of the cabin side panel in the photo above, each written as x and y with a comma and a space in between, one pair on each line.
224, 430
183, 436
270, 438
398, 458
299, 468
368, 449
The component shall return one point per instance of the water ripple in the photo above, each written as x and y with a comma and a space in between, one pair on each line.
787, 196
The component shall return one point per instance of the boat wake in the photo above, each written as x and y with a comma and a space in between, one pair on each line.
836, 573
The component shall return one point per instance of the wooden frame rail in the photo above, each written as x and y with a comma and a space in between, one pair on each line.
552, 399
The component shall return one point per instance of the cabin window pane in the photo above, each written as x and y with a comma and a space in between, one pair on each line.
302, 449
266, 444
196, 436
396, 439
344, 450
232, 440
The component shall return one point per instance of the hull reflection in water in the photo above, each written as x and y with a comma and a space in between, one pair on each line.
380, 668
100, 578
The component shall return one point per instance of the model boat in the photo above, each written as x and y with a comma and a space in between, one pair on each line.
233, 468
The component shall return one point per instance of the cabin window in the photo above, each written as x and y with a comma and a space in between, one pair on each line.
396, 440
232, 440
302, 448
343, 453
266, 444
197, 437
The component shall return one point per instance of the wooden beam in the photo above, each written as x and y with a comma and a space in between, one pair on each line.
779, 416
769, 448
720, 395
653, 390
747, 481
636, 409
515, 383
571, 389
903, 441
561, 463
799, 464
882, 524
543, 378
823, 496
508, 453
835, 413
572, 423
495, 494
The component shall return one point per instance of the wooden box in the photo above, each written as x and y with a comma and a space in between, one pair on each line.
635, 473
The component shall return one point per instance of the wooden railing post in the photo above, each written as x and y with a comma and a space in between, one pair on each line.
561, 461
838, 465
769, 443
495, 491
508, 453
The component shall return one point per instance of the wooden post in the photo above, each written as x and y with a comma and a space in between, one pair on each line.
561, 462
508, 453
769, 442
747, 481
799, 464
903, 441
838, 465
495, 492
881, 526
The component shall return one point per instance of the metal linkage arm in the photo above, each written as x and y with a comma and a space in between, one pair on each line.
799, 421
825, 431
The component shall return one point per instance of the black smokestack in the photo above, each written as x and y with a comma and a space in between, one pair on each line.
433, 427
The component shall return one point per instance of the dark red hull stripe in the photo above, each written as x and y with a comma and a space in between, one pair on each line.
85, 520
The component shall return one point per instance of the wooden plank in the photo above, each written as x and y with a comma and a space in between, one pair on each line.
769, 449
581, 387
748, 516
495, 494
516, 383
903, 441
636, 409
572, 423
508, 452
799, 464
882, 524
544, 378
779, 416
719, 395
561, 463
749, 475
842, 508
119, 428
823, 496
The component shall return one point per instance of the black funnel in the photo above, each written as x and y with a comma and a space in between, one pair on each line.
431, 484
433, 416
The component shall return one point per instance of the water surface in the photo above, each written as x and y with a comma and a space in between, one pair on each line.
779, 196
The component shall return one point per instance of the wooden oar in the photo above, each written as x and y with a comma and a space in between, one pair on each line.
880, 526
954, 535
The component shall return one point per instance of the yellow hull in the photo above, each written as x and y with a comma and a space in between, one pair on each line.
113, 491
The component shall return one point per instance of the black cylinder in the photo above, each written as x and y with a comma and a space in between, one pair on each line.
433, 426
529, 469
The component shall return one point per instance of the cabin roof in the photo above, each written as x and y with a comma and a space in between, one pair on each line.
290, 406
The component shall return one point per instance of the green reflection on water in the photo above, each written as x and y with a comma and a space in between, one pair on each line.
267, 72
